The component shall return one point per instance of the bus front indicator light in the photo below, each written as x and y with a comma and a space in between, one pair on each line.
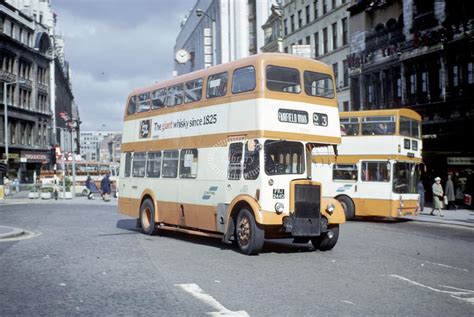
279, 207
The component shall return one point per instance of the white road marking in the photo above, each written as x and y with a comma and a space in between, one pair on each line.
448, 266
197, 292
469, 294
347, 302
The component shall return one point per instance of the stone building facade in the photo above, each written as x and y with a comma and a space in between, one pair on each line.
419, 54
25, 55
324, 26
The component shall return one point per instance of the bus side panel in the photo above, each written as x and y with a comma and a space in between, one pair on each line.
373, 207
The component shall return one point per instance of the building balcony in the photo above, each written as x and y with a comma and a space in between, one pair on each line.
43, 88
7, 76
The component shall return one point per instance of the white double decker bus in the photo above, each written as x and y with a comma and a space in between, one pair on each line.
378, 164
226, 152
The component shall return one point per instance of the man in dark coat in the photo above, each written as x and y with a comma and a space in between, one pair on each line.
105, 187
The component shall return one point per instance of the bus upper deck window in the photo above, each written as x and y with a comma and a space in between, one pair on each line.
283, 79
349, 126
175, 95
378, 125
158, 98
318, 85
409, 127
132, 105
216, 85
144, 102
193, 90
243, 79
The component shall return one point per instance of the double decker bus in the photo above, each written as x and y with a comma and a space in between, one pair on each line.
378, 164
226, 152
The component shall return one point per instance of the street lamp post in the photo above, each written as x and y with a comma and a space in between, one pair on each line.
199, 14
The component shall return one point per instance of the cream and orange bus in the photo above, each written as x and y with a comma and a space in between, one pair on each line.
226, 152
378, 164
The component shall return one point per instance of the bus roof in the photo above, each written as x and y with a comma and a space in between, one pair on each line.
405, 112
262, 58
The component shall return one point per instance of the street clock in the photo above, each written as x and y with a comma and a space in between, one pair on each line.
182, 56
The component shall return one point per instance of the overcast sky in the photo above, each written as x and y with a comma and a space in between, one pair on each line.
114, 46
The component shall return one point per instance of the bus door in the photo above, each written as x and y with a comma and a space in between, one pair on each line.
125, 183
374, 189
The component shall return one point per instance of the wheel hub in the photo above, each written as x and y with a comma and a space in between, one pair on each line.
243, 231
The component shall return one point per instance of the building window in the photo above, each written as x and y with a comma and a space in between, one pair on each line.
470, 73
333, 4
336, 74
424, 82
292, 23
300, 42
307, 14
345, 106
344, 31
412, 84
286, 49
455, 76
325, 7
325, 40
345, 70
315, 9
285, 23
316, 44
300, 19
334, 36
370, 95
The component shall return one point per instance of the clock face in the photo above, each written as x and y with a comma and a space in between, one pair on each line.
182, 56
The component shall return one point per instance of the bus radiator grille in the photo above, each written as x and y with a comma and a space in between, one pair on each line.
306, 219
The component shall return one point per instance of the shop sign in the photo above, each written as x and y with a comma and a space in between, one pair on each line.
460, 160
31, 157
12, 156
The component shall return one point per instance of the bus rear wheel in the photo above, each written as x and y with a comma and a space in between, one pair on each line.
249, 235
348, 206
326, 241
147, 217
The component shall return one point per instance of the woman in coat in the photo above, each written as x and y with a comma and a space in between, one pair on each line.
437, 197
449, 191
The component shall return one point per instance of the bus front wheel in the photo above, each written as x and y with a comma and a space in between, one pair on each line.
348, 206
249, 235
327, 240
147, 217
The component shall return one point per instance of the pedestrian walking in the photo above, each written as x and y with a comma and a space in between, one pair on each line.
437, 197
105, 187
421, 192
449, 192
90, 185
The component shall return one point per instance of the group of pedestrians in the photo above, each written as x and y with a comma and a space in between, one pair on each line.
105, 187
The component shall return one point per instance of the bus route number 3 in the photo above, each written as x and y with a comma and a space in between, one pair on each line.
320, 119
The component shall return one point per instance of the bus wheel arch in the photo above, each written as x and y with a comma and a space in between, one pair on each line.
148, 215
348, 206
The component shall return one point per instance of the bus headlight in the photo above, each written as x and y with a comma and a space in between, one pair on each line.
279, 207
330, 208
270, 182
